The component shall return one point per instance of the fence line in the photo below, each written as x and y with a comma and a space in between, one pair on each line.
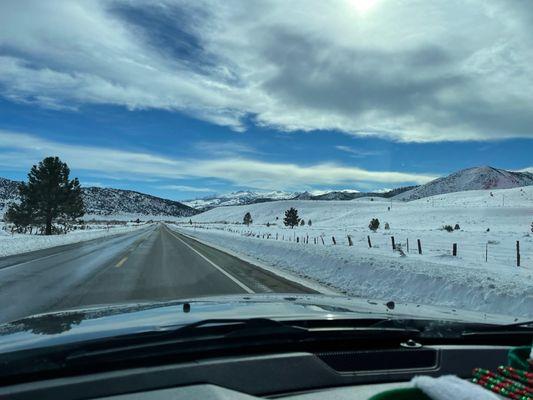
520, 253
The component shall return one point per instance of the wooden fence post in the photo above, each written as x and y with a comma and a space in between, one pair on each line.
393, 244
297, 239
350, 243
454, 250
486, 251
334, 241
369, 242
408, 245
517, 253
307, 239
322, 238
276, 236
419, 246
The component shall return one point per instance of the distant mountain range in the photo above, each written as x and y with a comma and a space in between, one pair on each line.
477, 178
249, 197
105, 201
238, 198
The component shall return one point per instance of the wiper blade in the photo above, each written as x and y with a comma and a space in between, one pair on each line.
237, 327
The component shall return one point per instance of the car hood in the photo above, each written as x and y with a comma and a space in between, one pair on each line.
99, 322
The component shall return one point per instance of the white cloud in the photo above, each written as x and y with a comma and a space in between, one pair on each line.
186, 188
410, 71
19, 151
360, 153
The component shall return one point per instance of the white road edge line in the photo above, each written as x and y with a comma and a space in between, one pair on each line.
242, 285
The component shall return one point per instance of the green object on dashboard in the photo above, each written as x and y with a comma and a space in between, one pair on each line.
517, 357
401, 394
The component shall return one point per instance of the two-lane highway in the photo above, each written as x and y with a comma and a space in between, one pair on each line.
149, 264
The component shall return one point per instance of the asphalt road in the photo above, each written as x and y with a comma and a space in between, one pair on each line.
150, 264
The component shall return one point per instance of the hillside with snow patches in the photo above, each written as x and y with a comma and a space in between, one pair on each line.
106, 202
238, 198
477, 178
483, 276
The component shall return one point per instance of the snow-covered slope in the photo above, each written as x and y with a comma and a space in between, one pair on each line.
420, 214
477, 178
482, 276
105, 201
238, 198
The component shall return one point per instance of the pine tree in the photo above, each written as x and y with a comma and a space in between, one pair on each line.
291, 217
309, 223
49, 195
302, 222
374, 224
247, 220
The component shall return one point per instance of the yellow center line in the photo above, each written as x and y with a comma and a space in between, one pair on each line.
119, 264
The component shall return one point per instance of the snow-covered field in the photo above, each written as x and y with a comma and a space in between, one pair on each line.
483, 276
19, 243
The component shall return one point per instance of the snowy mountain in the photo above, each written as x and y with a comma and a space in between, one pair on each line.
477, 178
238, 198
105, 201
248, 197
349, 194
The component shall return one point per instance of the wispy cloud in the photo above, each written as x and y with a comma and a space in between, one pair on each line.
20, 150
360, 153
399, 72
186, 188
527, 169
223, 149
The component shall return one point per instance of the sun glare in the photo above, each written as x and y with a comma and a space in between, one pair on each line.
363, 6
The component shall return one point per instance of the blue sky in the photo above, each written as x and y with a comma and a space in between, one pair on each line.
182, 100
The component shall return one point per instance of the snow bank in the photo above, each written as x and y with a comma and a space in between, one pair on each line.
404, 279
18, 243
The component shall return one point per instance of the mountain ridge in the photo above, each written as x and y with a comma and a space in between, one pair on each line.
475, 178
109, 201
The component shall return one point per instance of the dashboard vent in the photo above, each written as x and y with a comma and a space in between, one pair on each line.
380, 360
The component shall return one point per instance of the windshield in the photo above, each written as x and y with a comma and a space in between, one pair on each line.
358, 156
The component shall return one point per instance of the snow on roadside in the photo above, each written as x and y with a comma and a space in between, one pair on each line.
376, 276
18, 243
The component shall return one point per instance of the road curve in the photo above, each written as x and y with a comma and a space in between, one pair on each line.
149, 264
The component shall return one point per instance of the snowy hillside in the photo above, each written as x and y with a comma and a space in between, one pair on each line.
105, 201
478, 178
482, 276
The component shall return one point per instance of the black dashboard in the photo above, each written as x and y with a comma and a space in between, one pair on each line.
354, 373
